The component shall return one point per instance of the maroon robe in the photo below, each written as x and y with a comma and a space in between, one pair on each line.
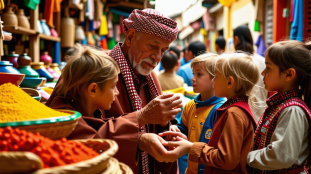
119, 123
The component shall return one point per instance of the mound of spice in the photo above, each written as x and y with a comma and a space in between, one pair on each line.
17, 105
52, 153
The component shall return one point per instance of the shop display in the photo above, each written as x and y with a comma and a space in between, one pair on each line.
7, 67
24, 62
47, 61
68, 32
52, 153
22, 19
39, 67
53, 32
39, 27
45, 28
55, 67
15, 79
12, 57
8, 17
16, 105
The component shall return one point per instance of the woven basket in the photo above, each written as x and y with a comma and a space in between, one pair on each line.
54, 128
116, 167
31, 162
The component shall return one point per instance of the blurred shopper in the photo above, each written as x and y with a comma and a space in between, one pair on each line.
220, 44
181, 60
168, 78
243, 41
194, 49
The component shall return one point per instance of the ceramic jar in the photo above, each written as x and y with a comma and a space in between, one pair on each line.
12, 57
39, 67
45, 28
47, 61
55, 67
54, 32
22, 19
39, 27
62, 65
24, 62
68, 32
8, 17
79, 33
7, 67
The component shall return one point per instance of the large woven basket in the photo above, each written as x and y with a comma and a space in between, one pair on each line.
27, 162
116, 167
54, 128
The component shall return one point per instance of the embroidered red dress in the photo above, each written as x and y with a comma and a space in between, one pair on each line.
281, 137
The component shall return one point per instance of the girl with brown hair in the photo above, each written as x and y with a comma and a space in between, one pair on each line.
88, 86
281, 143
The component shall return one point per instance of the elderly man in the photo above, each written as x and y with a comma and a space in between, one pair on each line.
139, 112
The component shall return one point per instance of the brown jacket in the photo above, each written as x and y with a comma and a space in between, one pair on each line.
232, 139
119, 124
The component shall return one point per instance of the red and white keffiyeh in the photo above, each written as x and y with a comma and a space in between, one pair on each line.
127, 71
152, 22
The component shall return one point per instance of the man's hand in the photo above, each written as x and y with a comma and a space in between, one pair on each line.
152, 144
180, 147
160, 110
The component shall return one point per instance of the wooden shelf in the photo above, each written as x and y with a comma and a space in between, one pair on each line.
49, 38
19, 30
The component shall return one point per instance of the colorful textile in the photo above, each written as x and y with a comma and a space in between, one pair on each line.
291, 17
152, 22
267, 124
197, 123
103, 30
261, 46
296, 32
127, 74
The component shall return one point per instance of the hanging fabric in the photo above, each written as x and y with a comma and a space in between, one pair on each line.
291, 17
117, 32
48, 11
261, 46
103, 29
1, 5
111, 44
296, 32
121, 18
90, 9
99, 10
32, 4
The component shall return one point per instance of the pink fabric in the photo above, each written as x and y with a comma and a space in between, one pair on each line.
152, 22
208, 21
291, 17
117, 32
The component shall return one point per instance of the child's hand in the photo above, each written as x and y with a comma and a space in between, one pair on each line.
173, 134
180, 147
174, 128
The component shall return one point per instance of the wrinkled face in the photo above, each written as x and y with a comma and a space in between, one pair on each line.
145, 52
108, 94
272, 77
201, 80
220, 85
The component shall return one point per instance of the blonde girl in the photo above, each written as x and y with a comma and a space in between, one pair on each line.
88, 86
281, 143
233, 131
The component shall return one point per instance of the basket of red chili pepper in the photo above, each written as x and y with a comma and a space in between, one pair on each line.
25, 152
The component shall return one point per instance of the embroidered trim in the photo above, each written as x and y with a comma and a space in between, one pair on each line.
267, 123
234, 100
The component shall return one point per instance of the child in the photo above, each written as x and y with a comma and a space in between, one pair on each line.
88, 84
281, 143
169, 79
199, 114
233, 131
220, 44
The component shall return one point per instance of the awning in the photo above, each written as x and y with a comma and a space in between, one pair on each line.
193, 13
185, 32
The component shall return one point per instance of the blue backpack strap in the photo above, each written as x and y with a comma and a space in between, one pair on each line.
209, 123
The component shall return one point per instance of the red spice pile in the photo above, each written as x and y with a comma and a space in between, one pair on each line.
52, 153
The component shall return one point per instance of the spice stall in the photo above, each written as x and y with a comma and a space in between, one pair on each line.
34, 37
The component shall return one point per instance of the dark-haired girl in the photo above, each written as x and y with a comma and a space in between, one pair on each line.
281, 143
243, 41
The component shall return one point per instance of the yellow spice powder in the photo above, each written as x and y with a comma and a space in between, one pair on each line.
17, 105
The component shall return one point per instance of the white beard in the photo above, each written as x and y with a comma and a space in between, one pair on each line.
139, 68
